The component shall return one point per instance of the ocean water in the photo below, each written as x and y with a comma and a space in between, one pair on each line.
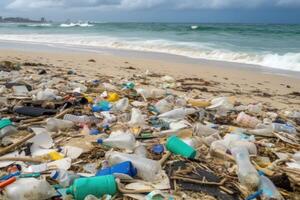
275, 46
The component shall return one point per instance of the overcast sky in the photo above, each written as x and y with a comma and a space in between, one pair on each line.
262, 11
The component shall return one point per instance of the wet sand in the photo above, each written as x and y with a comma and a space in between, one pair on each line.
204, 79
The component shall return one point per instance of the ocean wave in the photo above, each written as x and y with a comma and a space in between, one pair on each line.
286, 61
76, 25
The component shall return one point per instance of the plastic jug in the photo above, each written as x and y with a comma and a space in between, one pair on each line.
269, 190
177, 146
6, 128
147, 169
178, 113
97, 186
247, 174
29, 189
54, 124
64, 177
120, 140
121, 168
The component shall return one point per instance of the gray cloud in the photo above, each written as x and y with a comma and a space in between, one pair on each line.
149, 4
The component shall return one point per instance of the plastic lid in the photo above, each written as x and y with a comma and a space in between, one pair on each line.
54, 174
100, 141
4, 123
158, 149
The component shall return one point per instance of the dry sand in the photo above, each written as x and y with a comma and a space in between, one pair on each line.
247, 84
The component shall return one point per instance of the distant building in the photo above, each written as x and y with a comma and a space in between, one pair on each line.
43, 19
20, 20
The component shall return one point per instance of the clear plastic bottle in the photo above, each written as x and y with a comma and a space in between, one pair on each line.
120, 140
287, 128
64, 178
121, 105
137, 118
84, 119
247, 121
269, 190
178, 113
147, 169
165, 105
29, 189
54, 124
203, 130
247, 174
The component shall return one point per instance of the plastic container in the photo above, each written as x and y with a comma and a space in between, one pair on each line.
247, 174
64, 177
165, 104
54, 124
177, 146
6, 128
158, 149
147, 169
247, 121
141, 151
47, 94
29, 189
121, 168
120, 140
287, 128
178, 113
203, 130
20, 90
269, 190
199, 103
97, 186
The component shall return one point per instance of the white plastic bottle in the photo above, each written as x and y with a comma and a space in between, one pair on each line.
269, 190
64, 178
29, 189
137, 118
147, 169
54, 124
120, 140
247, 174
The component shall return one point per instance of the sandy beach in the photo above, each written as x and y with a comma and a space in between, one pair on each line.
247, 83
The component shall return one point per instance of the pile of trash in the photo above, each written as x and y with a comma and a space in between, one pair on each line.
66, 136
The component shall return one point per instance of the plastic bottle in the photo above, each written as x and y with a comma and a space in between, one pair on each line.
255, 108
247, 121
64, 177
287, 128
221, 104
97, 186
165, 105
247, 174
137, 118
178, 113
141, 150
84, 119
203, 130
20, 90
121, 168
147, 169
6, 128
120, 140
269, 190
29, 189
151, 93
47, 94
262, 130
199, 103
54, 124
177, 146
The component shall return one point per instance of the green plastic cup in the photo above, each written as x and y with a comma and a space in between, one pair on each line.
97, 186
177, 146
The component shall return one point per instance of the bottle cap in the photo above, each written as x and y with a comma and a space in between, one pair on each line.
4, 123
54, 174
100, 141
158, 149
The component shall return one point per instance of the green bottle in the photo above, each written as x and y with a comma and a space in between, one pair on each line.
97, 186
177, 146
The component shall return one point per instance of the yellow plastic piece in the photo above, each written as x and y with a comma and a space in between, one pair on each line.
112, 97
55, 155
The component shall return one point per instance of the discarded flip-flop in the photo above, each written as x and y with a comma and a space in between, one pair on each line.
34, 111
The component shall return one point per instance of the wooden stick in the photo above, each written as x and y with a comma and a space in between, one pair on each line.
164, 158
123, 190
18, 143
69, 110
23, 159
